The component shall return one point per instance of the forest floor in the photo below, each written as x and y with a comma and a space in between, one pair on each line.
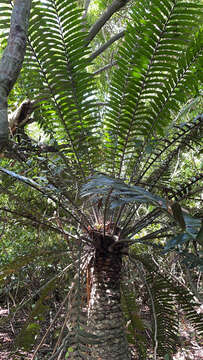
191, 345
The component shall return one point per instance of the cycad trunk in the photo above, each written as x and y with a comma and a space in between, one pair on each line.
105, 315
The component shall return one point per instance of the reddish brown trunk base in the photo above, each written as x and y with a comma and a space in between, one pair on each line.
105, 315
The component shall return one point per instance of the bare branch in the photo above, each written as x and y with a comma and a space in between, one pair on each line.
87, 3
101, 103
106, 67
115, 6
29, 216
106, 45
12, 60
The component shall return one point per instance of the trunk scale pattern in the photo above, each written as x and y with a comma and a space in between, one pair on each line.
105, 316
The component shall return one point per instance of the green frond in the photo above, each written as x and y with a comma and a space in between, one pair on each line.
136, 327
46, 190
120, 193
147, 85
167, 320
58, 56
186, 301
181, 136
191, 226
6, 10
185, 187
167, 295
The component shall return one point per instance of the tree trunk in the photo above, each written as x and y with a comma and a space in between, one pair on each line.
105, 315
12, 60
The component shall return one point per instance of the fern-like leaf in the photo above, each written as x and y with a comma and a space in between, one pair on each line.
58, 56
148, 84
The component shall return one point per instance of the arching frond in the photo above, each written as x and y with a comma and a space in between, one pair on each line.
181, 136
166, 296
149, 82
58, 56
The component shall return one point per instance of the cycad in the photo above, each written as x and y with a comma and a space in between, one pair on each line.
119, 158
